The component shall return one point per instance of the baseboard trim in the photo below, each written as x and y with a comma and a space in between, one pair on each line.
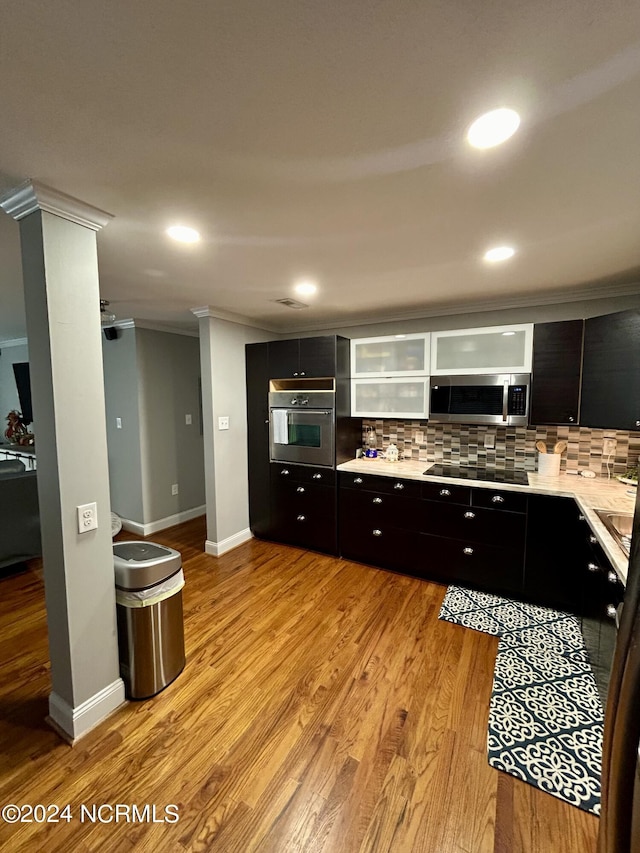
72, 723
163, 523
217, 549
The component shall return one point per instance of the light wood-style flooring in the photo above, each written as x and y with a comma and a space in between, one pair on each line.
323, 708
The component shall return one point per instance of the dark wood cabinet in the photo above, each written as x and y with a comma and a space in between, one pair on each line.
611, 372
257, 374
303, 507
304, 357
557, 368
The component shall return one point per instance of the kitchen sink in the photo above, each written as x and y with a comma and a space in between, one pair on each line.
619, 525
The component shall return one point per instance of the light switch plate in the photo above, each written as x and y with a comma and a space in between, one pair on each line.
87, 517
223, 423
187, 420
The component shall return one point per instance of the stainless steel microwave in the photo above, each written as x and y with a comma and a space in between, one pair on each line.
501, 398
302, 427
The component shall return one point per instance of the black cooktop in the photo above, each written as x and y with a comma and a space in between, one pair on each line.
491, 475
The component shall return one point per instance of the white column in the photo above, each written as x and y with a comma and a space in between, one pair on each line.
60, 270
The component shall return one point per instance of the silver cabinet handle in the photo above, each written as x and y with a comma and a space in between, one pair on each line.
592, 567
317, 477
445, 493
467, 551
469, 515
294, 401
295, 374
571, 419
301, 518
612, 611
398, 486
592, 539
377, 500
377, 532
581, 518
357, 480
302, 373
612, 577
497, 499
284, 472
637, 423
300, 489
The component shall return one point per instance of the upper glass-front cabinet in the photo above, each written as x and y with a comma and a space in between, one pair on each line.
394, 355
495, 349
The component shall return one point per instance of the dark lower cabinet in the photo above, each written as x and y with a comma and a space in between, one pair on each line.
476, 564
303, 507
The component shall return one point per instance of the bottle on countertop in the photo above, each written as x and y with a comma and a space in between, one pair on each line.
371, 450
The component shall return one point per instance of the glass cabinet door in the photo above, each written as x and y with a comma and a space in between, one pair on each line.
394, 355
496, 349
390, 398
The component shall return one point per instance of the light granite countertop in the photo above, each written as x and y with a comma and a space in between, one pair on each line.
589, 494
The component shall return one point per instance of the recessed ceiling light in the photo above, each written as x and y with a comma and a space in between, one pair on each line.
400, 336
183, 234
499, 253
493, 128
506, 334
306, 287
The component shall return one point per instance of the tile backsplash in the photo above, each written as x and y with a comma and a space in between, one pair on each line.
464, 444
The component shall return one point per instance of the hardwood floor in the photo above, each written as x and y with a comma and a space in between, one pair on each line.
323, 708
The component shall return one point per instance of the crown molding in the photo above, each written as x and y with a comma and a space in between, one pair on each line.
155, 327
230, 317
33, 195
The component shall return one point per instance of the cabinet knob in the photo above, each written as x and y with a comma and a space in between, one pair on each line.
581, 518
300, 489
284, 472
571, 419
302, 373
612, 577
317, 477
638, 423
467, 551
612, 611
469, 515
592, 539
593, 567
399, 486
357, 480
295, 374
377, 532
445, 493
301, 518
497, 499
377, 500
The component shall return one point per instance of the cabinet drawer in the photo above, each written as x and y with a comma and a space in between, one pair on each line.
447, 493
282, 471
478, 564
495, 499
379, 508
386, 545
387, 485
504, 530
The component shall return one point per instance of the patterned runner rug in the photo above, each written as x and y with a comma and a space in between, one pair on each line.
545, 718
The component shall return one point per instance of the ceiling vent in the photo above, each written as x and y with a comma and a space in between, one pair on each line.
291, 303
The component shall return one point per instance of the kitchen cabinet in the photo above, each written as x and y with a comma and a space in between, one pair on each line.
392, 355
494, 349
554, 574
307, 357
390, 398
303, 506
611, 372
557, 369
257, 376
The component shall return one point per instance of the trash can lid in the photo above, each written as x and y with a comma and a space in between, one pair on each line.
138, 565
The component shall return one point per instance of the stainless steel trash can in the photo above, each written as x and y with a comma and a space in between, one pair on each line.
149, 583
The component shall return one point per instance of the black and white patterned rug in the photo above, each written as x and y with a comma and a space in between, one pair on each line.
545, 719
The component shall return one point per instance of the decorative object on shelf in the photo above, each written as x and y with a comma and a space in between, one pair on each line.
391, 453
17, 431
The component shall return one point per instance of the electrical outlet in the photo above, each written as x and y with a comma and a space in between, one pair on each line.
223, 423
489, 440
609, 446
418, 437
187, 420
174, 489
87, 517
118, 423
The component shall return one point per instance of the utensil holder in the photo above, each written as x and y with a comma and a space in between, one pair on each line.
549, 464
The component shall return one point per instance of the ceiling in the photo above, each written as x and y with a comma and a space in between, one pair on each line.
326, 139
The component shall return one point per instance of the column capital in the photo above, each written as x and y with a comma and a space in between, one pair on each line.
33, 195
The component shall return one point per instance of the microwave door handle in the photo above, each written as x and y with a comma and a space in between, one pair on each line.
505, 401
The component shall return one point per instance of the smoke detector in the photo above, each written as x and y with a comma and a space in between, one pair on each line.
291, 303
